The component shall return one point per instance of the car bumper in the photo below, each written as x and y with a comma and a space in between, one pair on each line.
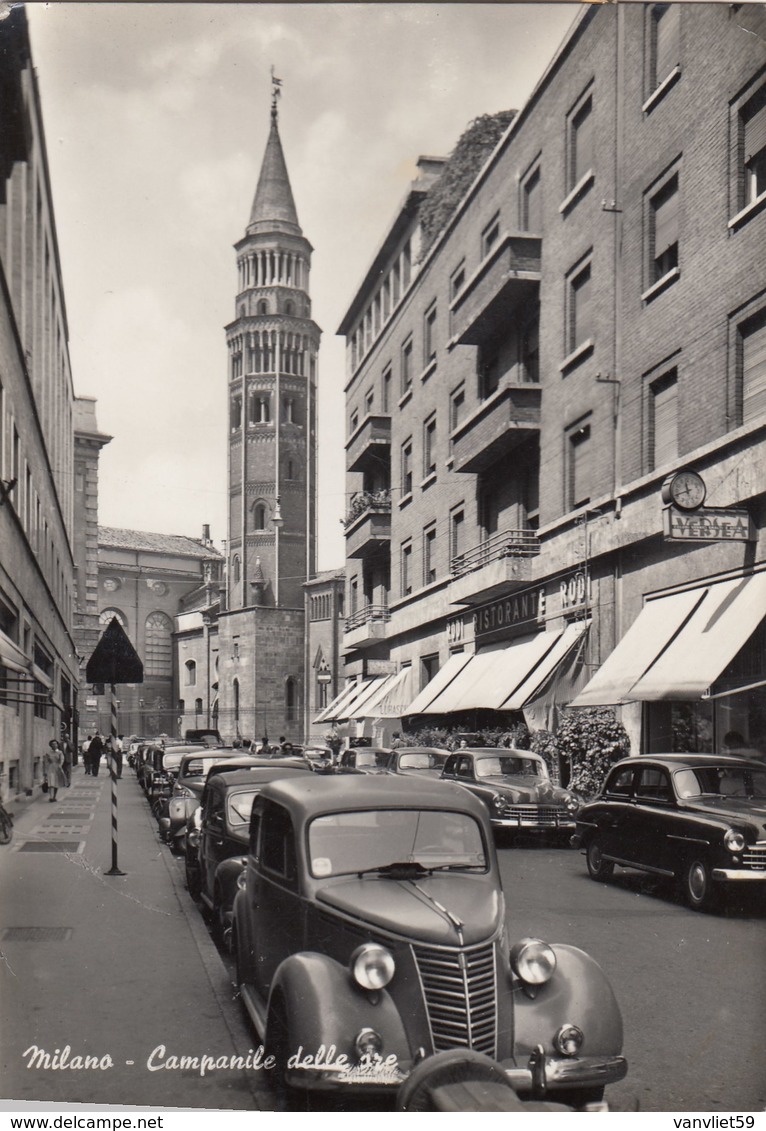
739, 875
541, 1076
563, 823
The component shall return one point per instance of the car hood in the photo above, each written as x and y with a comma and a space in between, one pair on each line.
522, 791
410, 907
735, 809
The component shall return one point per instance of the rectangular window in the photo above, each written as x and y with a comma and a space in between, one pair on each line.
386, 391
354, 422
457, 533
407, 366
663, 230
490, 235
529, 350
456, 284
406, 468
580, 314
406, 564
369, 401
754, 147
429, 335
663, 420
429, 666
429, 446
753, 368
456, 409
532, 202
579, 470
579, 141
429, 555
664, 41
489, 373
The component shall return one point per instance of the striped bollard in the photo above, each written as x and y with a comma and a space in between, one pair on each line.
114, 870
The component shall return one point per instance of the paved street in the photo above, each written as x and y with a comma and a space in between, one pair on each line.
122, 965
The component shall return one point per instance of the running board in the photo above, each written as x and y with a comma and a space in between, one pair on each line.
255, 1010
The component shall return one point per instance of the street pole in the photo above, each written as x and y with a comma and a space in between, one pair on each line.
114, 870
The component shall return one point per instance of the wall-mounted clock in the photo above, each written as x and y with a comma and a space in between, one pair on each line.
685, 489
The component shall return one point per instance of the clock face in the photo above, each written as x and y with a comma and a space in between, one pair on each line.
687, 490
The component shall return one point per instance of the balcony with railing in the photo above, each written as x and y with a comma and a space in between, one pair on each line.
500, 423
368, 523
370, 444
493, 567
366, 626
504, 281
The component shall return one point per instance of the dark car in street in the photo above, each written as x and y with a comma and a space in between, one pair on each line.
187, 792
419, 761
365, 760
696, 819
516, 788
216, 851
370, 930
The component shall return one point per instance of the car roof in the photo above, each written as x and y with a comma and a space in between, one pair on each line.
308, 795
420, 750
691, 760
255, 777
493, 751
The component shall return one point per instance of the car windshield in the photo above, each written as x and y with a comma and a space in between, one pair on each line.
421, 761
349, 843
171, 762
369, 758
240, 806
197, 767
508, 766
721, 781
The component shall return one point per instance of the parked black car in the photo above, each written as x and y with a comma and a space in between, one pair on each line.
216, 853
698, 819
419, 761
365, 760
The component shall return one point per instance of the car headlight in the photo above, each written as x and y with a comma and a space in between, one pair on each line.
497, 801
734, 841
372, 966
192, 837
182, 791
570, 802
533, 961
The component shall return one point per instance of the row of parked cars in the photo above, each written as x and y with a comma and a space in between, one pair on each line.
366, 915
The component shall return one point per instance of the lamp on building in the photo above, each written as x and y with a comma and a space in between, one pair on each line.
277, 519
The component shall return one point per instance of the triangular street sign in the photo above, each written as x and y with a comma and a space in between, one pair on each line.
114, 659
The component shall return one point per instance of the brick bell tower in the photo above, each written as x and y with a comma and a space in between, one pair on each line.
273, 345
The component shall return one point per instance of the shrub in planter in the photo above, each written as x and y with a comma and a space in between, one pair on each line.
544, 743
591, 740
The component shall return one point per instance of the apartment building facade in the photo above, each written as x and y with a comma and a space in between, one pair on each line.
555, 426
38, 653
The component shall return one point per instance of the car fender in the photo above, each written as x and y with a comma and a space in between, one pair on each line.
242, 941
226, 875
579, 994
324, 1007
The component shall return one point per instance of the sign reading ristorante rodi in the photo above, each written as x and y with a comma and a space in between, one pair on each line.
510, 616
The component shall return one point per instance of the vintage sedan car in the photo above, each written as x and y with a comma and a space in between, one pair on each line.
370, 931
217, 851
365, 760
698, 819
187, 792
419, 761
516, 788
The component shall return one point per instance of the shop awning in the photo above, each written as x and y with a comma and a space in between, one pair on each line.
329, 714
354, 708
12, 657
391, 700
421, 704
501, 679
680, 644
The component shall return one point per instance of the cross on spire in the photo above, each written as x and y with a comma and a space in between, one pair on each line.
276, 93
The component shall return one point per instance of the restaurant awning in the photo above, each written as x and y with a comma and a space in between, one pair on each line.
421, 704
329, 714
500, 680
354, 708
680, 644
391, 700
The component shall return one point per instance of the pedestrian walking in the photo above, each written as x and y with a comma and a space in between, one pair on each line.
54, 769
68, 752
95, 750
117, 750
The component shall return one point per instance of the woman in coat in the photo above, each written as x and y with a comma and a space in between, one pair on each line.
54, 769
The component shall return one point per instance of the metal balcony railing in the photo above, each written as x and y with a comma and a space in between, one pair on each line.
366, 615
362, 501
504, 544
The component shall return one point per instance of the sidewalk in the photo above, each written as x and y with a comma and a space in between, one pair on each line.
111, 967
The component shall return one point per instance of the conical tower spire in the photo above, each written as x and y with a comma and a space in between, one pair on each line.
273, 205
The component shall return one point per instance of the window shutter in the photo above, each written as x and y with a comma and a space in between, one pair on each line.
583, 143
581, 301
754, 372
755, 128
667, 43
666, 219
664, 422
580, 467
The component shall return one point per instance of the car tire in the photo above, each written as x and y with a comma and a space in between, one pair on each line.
697, 885
598, 868
277, 1044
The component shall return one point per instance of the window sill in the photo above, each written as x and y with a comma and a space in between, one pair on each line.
580, 188
661, 284
405, 501
577, 355
747, 212
429, 369
659, 92
405, 397
429, 479
449, 462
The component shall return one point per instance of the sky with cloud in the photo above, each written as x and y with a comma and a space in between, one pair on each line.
156, 118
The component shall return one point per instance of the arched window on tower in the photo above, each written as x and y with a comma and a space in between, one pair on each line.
289, 307
191, 673
260, 408
236, 568
158, 648
236, 413
290, 699
259, 516
263, 307
198, 706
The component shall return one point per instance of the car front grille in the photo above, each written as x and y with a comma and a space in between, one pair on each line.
461, 997
545, 816
755, 858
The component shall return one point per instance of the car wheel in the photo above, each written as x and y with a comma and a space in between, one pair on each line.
598, 868
277, 1044
697, 885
